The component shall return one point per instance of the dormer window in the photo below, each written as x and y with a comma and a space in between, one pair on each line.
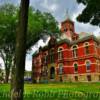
52, 41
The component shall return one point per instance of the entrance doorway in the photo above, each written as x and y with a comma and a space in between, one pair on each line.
52, 73
89, 77
76, 78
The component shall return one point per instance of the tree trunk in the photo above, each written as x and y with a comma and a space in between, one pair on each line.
20, 52
7, 70
12, 75
7, 59
7, 75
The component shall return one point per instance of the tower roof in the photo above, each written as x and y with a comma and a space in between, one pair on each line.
67, 20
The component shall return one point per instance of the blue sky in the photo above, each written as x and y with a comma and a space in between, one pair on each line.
58, 9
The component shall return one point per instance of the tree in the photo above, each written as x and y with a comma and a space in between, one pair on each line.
39, 24
20, 52
1, 74
7, 36
91, 13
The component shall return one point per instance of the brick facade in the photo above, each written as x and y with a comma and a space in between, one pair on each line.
69, 58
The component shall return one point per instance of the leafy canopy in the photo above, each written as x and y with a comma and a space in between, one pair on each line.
91, 13
39, 25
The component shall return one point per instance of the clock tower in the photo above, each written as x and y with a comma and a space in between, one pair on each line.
67, 29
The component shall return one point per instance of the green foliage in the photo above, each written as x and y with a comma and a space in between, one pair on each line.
39, 25
7, 24
83, 1
8, 21
91, 13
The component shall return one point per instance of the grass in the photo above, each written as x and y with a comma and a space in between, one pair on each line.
56, 91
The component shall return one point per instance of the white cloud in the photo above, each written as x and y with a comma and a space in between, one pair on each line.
84, 27
79, 9
28, 65
53, 7
57, 8
1, 63
97, 32
50, 7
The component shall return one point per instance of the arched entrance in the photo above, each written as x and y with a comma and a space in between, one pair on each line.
52, 73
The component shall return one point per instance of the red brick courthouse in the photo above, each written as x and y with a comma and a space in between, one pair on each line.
72, 57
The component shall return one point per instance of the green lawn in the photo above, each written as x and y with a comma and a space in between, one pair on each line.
56, 91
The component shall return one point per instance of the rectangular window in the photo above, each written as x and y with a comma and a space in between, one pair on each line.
88, 65
45, 59
75, 53
52, 58
86, 50
76, 68
60, 69
60, 55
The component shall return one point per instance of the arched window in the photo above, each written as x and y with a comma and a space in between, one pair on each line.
86, 48
60, 54
75, 51
52, 55
88, 65
60, 72
61, 69
76, 67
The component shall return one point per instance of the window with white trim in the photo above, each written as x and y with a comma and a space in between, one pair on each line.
75, 51
61, 69
86, 48
60, 53
88, 65
76, 67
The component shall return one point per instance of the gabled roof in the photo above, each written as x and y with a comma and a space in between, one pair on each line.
84, 39
61, 41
